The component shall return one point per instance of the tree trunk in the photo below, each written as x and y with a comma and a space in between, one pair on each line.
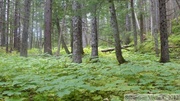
141, 21
48, 21
154, 26
141, 28
128, 20
3, 24
134, 25
16, 26
178, 3
32, 27
115, 29
7, 27
59, 37
77, 33
1, 20
11, 31
94, 35
24, 43
40, 39
71, 32
128, 26
163, 32
64, 45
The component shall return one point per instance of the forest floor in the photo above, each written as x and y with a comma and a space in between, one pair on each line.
52, 78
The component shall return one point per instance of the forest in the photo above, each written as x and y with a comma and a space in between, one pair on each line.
89, 50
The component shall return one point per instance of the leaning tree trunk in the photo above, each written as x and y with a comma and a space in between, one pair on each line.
114, 25
64, 45
163, 32
94, 35
77, 33
24, 43
48, 21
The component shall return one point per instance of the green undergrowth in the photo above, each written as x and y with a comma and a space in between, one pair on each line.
52, 78
174, 46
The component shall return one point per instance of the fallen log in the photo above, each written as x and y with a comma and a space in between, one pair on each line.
108, 50
112, 49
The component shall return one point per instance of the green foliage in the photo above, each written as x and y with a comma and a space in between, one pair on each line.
174, 45
147, 47
174, 40
176, 26
48, 78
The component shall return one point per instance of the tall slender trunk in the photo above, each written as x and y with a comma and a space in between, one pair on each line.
115, 29
128, 20
11, 30
77, 33
141, 28
32, 27
24, 43
7, 27
163, 32
1, 21
155, 25
59, 37
128, 26
48, 21
94, 34
16, 25
141, 2
3, 38
134, 25
71, 32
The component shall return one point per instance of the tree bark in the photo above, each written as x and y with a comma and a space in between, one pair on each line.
71, 32
59, 37
134, 25
128, 26
64, 45
178, 3
48, 21
24, 43
77, 33
3, 38
94, 35
115, 29
163, 32
1, 20
32, 26
141, 3
154, 26
11, 31
128, 20
7, 27
16, 26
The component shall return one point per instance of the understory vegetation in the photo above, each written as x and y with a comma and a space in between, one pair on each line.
52, 78
42, 77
